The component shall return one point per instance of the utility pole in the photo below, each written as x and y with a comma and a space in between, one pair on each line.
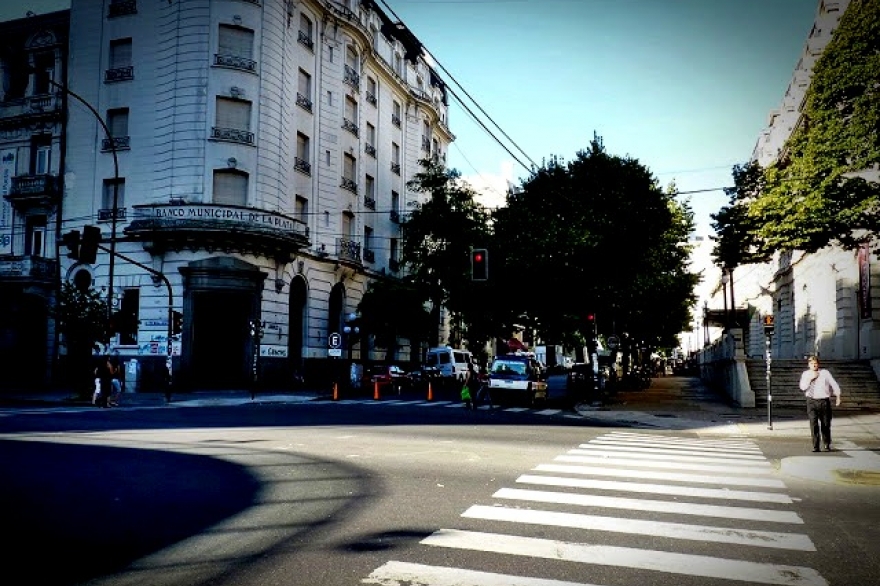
768, 335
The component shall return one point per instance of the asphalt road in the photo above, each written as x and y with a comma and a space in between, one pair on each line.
348, 494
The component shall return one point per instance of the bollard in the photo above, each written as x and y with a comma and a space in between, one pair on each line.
430, 392
335, 391
376, 390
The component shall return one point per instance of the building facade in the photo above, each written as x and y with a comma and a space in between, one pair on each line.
32, 56
826, 302
250, 173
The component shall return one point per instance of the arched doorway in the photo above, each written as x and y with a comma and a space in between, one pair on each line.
297, 320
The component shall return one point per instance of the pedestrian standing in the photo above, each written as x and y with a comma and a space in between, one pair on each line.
468, 386
116, 384
483, 391
104, 376
819, 386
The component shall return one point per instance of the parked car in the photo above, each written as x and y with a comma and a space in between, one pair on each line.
517, 376
392, 375
451, 363
579, 383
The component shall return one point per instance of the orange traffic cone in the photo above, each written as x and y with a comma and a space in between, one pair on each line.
335, 391
430, 392
376, 390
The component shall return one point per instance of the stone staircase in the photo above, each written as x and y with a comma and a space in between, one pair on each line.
858, 383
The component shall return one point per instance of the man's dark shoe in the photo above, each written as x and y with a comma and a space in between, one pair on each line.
815, 449
827, 447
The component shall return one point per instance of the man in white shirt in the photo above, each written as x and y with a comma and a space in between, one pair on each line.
819, 386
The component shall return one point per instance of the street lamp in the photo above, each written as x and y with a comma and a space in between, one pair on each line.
725, 278
350, 330
115, 209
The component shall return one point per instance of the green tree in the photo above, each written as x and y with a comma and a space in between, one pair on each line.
392, 308
438, 237
596, 235
814, 195
736, 240
81, 316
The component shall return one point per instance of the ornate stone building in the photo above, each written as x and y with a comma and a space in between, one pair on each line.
258, 160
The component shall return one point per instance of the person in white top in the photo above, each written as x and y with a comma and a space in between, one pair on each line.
819, 386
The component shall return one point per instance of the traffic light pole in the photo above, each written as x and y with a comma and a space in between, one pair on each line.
165, 280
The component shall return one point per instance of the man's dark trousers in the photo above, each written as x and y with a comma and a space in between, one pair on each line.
819, 412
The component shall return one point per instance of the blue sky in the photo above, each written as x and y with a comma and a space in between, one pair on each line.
685, 86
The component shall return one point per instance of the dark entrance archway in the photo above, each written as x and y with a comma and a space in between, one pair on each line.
23, 341
220, 296
297, 319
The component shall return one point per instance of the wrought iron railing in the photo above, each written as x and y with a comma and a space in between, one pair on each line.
305, 40
302, 165
27, 266
347, 249
351, 77
349, 184
121, 8
232, 135
370, 149
350, 126
369, 202
235, 62
369, 255
371, 98
303, 102
394, 216
106, 215
34, 185
395, 120
119, 143
119, 74
395, 168
426, 144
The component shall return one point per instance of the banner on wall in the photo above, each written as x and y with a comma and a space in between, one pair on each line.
865, 281
7, 172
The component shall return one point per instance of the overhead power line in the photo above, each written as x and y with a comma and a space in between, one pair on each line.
471, 98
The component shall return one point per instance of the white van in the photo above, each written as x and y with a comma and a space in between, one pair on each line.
449, 362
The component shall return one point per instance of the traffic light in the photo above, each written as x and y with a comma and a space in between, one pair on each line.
88, 247
768, 325
176, 323
71, 241
479, 264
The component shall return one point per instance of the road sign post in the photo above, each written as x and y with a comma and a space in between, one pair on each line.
769, 327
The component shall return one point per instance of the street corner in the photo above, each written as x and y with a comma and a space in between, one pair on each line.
848, 464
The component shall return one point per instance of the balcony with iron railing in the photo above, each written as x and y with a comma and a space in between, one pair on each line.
106, 214
349, 184
369, 202
232, 135
347, 249
302, 166
235, 62
426, 144
27, 267
371, 98
395, 168
303, 102
395, 120
305, 40
369, 255
119, 74
34, 109
28, 190
351, 77
350, 126
118, 143
394, 216
121, 8
370, 150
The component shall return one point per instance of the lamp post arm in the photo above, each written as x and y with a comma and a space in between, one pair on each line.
112, 144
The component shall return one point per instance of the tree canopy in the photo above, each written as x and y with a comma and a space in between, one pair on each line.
815, 194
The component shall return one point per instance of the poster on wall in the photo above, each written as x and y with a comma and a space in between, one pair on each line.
7, 172
865, 281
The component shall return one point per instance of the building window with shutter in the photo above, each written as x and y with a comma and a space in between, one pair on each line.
235, 48
230, 187
117, 123
233, 121
302, 161
105, 214
121, 68
304, 91
35, 227
302, 209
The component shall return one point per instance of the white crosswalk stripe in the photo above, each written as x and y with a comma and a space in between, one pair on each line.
614, 485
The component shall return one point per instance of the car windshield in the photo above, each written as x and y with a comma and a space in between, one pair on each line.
508, 367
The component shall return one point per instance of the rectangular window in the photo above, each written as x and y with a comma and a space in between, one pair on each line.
302, 147
370, 187
349, 170
351, 109
305, 26
128, 316
302, 209
368, 238
393, 253
36, 236
44, 73
230, 187
395, 153
395, 201
107, 197
235, 41
305, 84
395, 113
235, 114
120, 53
347, 225
117, 122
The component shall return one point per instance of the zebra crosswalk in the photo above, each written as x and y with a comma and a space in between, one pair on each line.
686, 498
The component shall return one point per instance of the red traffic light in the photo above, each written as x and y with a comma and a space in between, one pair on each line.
591, 317
479, 264
478, 257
